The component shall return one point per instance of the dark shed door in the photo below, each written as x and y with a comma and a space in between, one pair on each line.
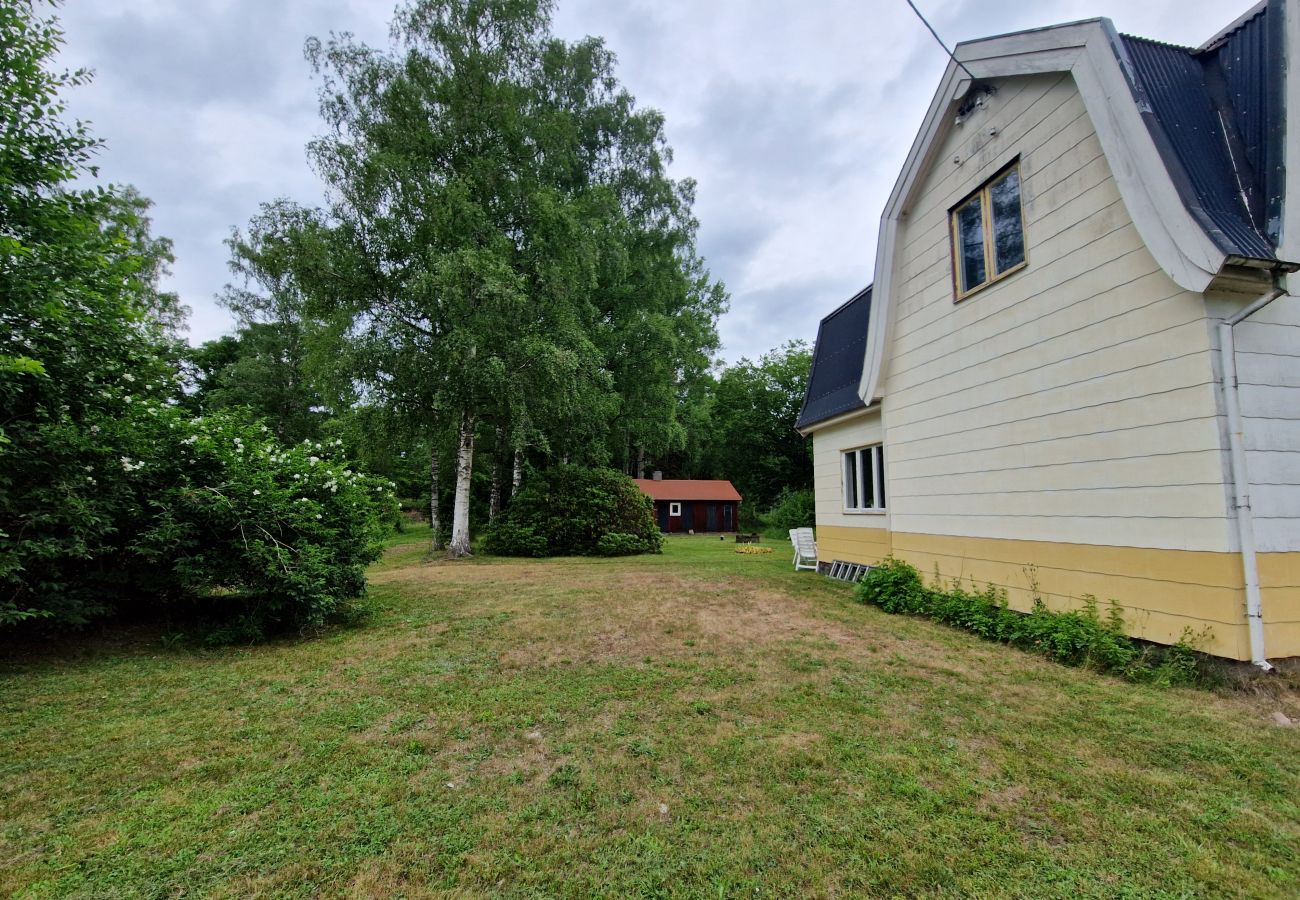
700, 518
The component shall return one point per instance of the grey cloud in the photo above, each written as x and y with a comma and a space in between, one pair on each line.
793, 120
199, 64
768, 317
780, 135
727, 244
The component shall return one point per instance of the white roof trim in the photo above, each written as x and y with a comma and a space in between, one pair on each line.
1092, 53
1290, 237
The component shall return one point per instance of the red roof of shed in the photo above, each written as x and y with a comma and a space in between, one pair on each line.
687, 489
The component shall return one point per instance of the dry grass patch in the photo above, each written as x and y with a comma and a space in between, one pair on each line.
700, 723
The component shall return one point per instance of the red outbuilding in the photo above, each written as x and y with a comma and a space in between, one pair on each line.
696, 505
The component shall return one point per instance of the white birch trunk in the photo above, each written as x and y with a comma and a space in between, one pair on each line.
494, 499
640, 462
517, 476
459, 546
435, 521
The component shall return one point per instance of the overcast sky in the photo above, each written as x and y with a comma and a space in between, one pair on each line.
792, 115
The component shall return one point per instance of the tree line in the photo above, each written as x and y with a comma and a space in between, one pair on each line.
504, 278
114, 497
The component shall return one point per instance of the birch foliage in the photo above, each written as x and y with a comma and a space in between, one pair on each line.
502, 245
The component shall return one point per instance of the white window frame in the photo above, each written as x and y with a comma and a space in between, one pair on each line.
869, 461
674, 509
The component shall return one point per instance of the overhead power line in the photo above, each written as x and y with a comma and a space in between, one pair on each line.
930, 28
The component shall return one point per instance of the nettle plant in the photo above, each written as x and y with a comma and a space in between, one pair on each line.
266, 534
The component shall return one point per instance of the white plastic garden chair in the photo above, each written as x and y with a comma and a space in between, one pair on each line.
805, 548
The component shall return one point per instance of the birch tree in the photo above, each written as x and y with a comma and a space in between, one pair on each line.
502, 247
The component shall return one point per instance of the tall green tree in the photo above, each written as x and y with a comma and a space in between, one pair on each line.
755, 406
83, 326
260, 367
502, 242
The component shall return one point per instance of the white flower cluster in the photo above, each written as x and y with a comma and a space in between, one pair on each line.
131, 465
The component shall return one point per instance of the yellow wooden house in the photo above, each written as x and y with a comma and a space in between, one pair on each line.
1078, 369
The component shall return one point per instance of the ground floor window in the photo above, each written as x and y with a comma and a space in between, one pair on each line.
674, 509
864, 478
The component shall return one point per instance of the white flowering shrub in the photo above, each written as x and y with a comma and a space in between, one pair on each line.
109, 495
151, 509
275, 536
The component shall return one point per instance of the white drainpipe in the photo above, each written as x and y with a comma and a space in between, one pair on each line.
1240, 480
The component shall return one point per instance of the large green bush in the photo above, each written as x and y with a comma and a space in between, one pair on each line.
505, 538
572, 511
793, 509
242, 525
1079, 637
208, 516
110, 495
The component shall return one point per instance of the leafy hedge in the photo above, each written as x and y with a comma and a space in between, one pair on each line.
278, 535
572, 511
1079, 637
505, 538
111, 497
205, 516
792, 509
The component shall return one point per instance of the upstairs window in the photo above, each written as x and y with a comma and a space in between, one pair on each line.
988, 233
864, 479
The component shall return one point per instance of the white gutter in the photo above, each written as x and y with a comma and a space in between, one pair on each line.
1240, 480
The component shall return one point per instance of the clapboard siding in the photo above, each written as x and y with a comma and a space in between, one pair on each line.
1075, 400
1268, 361
1162, 593
1091, 475
1105, 221
1109, 373
1128, 413
862, 544
1068, 294
829, 444
1064, 451
1274, 467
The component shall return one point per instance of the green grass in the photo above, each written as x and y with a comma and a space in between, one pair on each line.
694, 724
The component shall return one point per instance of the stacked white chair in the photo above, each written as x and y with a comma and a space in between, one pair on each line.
805, 548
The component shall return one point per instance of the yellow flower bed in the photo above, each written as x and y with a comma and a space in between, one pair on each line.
751, 550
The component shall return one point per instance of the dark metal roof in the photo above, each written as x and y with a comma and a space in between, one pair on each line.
1216, 116
837, 362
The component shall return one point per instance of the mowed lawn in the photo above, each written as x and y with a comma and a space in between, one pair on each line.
695, 724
